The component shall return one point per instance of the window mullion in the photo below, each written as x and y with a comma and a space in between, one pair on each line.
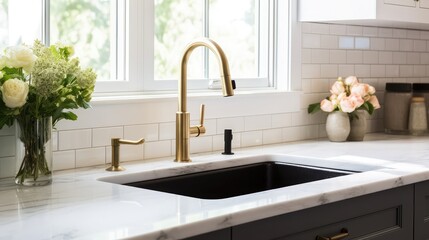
46, 23
206, 33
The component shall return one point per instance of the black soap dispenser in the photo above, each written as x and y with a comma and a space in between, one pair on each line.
228, 140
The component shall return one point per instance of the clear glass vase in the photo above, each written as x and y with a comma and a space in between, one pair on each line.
34, 151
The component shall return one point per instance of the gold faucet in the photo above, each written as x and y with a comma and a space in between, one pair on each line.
116, 142
183, 129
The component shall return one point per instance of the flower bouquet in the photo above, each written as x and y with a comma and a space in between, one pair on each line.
38, 84
348, 96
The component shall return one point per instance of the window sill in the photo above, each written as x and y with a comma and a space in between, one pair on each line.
141, 97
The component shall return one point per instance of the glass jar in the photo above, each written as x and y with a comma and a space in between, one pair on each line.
417, 124
397, 99
422, 90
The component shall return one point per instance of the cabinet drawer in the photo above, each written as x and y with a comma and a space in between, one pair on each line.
223, 234
385, 215
421, 221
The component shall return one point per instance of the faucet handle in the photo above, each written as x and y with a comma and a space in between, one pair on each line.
202, 107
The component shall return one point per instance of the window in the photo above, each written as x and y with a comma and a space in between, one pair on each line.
136, 45
227, 22
89, 25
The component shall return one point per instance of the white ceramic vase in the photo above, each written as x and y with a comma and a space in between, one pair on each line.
337, 126
357, 126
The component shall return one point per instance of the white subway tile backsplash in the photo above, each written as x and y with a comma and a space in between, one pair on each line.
338, 56
363, 70
131, 152
413, 34
320, 28
413, 58
219, 142
370, 57
310, 71
385, 32
306, 56
337, 29
354, 56
399, 58
74, 139
167, 131
392, 70
370, 31
201, 144
385, 57
319, 85
252, 123
310, 40
157, 149
362, 43
149, 132
420, 46
399, 33
328, 42
236, 124
320, 56
406, 70
378, 44
249, 139
103, 136
272, 136
328, 71
419, 71
378, 70
354, 30
406, 45
281, 120
346, 70
346, 42
63, 160
392, 44
90, 157
424, 58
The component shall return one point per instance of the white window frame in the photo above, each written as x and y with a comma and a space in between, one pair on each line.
151, 84
134, 68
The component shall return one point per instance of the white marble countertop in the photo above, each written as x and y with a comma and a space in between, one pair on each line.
79, 206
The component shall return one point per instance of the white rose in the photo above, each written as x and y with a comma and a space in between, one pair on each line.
21, 56
14, 93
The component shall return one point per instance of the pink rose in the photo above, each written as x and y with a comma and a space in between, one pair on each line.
351, 80
327, 105
356, 100
338, 88
371, 90
347, 105
374, 101
360, 89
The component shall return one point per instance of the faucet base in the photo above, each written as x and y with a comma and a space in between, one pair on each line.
182, 137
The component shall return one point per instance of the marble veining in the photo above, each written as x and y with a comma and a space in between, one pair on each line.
89, 204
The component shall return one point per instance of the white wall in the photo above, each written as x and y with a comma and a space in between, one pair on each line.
375, 55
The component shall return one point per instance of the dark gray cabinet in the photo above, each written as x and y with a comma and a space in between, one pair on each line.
397, 214
223, 234
386, 215
421, 216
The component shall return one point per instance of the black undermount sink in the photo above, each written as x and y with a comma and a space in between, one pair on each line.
237, 181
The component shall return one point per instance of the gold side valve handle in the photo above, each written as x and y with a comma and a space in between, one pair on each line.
116, 143
342, 235
198, 130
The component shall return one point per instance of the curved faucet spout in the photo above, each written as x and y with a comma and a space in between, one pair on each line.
183, 128
227, 89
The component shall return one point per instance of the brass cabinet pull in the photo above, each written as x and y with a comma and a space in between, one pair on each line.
343, 234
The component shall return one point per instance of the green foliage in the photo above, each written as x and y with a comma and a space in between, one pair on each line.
70, 91
312, 108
